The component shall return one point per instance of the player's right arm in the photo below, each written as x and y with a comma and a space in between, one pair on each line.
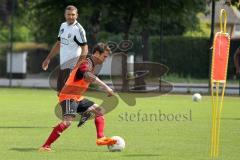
90, 77
54, 51
85, 72
104, 86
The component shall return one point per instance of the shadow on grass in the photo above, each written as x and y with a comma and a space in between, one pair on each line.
22, 127
81, 150
142, 155
233, 119
24, 149
57, 150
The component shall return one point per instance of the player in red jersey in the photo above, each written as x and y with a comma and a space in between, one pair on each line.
72, 101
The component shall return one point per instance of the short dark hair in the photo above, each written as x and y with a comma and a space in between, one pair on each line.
71, 7
101, 47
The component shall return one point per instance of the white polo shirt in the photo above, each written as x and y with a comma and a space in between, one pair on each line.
71, 37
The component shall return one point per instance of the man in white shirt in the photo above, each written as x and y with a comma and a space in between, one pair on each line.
71, 43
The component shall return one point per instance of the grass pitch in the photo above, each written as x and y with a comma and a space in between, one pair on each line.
169, 127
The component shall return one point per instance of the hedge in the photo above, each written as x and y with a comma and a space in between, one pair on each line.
187, 56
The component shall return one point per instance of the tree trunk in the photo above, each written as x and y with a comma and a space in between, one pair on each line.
94, 28
125, 81
145, 31
140, 83
145, 43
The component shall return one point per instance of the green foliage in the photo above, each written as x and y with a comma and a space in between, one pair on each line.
203, 31
47, 15
20, 34
106, 36
185, 56
176, 16
40, 20
4, 32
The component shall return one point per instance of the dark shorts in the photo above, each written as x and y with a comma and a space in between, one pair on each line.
62, 78
72, 107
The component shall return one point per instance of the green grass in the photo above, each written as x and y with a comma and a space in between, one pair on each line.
27, 117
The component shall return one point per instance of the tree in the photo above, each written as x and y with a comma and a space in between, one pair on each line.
128, 17
47, 16
179, 14
7, 10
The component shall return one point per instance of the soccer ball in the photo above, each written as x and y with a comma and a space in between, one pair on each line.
196, 97
119, 146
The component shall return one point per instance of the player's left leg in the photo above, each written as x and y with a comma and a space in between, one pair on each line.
90, 107
100, 125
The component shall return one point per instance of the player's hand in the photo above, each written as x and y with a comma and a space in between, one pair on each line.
45, 64
110, 92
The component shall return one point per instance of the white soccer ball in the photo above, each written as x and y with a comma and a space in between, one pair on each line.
119, 146
196, 97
